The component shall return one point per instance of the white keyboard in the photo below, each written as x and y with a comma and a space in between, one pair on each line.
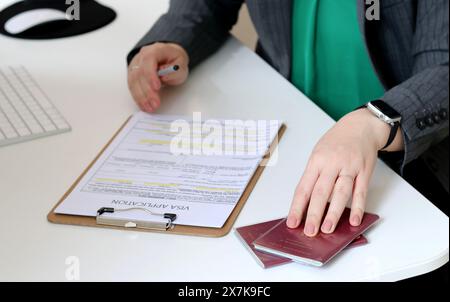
25, 110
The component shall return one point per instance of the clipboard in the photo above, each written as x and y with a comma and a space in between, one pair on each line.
169, 229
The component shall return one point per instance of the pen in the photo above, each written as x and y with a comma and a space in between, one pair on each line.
167, 70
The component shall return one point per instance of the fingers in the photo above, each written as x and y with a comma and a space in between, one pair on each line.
301, 197
342, 193
319, 198
343, 161
149, 80
359, 199
143, 80
138, 93
150, 71
140, 87
152, 96
321, 184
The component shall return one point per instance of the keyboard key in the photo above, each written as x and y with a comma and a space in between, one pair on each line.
62, 126
23, 131
11, 134
36, 129
49, 127
17, 123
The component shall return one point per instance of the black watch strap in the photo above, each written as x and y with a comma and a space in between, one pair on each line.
394, 128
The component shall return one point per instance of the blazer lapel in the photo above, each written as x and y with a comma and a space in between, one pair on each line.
285, 25
367, 29
272, 19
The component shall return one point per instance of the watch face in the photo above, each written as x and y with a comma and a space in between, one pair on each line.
385, 109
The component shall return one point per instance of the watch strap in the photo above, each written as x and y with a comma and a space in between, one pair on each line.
394, 128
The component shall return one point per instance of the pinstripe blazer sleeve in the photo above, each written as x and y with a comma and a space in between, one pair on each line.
426, 91
199, 26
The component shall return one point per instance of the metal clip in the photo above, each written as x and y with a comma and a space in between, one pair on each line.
164, 225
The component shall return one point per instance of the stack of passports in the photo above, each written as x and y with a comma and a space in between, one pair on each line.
272, 243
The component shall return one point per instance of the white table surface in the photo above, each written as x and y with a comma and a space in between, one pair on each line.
85, 77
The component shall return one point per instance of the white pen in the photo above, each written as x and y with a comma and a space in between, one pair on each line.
168, 70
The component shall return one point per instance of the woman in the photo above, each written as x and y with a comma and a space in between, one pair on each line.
342, 60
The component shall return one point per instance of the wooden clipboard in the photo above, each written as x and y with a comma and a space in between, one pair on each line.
177, 229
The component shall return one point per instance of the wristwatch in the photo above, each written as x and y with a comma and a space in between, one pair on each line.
387, 114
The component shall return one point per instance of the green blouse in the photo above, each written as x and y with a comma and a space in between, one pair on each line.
330, 63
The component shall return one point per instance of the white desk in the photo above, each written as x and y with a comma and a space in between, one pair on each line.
86, 78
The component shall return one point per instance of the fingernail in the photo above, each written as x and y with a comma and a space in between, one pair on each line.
157, 85
292, 222
155, 105
148, 108
355, 220
327, 226
310, 229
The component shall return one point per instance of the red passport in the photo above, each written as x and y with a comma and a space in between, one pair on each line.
294, 244
248, 234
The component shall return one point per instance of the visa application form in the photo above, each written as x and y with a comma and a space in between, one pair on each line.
140, 169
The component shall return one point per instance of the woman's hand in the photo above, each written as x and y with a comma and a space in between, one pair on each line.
339, 169
143, 80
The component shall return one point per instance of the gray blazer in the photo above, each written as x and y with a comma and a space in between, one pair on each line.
408, 47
